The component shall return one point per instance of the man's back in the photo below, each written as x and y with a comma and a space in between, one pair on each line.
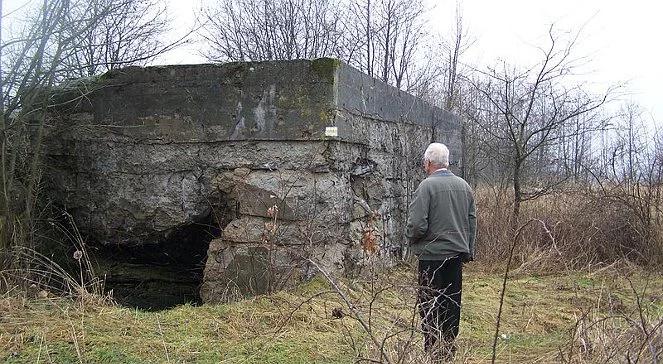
442, 219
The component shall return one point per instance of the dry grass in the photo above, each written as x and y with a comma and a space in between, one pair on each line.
573, 297
546, 319
584, 228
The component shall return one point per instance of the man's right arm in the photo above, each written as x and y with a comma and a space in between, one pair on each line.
417, 217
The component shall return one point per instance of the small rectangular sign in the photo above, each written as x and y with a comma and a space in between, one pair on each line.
331, 131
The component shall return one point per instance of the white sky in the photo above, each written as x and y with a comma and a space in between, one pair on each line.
622, 39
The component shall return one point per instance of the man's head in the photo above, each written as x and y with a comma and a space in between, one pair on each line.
436, 157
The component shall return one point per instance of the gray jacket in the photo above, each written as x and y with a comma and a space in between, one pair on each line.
442, 220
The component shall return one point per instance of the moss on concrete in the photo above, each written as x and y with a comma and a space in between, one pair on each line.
326, 68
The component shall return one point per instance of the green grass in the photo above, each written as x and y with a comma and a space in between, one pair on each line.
291, 327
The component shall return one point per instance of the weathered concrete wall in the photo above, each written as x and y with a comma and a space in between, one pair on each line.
152, 150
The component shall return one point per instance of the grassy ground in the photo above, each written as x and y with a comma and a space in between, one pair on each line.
539, 324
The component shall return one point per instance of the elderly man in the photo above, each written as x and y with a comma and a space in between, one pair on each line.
441, 230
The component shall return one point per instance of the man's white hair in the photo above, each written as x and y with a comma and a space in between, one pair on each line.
438, 154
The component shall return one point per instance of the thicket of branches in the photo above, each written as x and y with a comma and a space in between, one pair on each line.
54, 42
382, 38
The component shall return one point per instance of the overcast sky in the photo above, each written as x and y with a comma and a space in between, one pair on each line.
622, 39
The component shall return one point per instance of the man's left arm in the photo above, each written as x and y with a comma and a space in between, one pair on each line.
472, 219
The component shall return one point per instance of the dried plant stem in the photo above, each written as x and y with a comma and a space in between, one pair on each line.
504, 280
163, 341
355, 312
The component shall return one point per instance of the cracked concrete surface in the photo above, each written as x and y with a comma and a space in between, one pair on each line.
151, 150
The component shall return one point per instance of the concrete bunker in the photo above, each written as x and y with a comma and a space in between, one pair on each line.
241, 172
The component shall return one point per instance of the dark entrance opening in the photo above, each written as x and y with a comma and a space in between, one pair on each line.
164, 274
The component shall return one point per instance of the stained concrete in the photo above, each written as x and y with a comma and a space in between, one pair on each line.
148, 151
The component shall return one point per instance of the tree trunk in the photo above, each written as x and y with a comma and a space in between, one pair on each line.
517, 192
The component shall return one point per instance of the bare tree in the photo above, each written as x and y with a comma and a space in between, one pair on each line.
454, 48
126, 32
533, 109
52, 44
385, 38
29, 61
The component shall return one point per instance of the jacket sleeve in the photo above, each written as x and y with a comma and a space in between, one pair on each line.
417, 217
472, 219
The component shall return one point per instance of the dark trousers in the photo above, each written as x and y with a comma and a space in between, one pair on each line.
440, 285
